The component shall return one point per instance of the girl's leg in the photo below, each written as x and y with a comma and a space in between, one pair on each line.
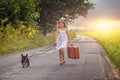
60, 55
62, 51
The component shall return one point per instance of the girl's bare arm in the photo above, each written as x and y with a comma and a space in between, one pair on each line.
68, 35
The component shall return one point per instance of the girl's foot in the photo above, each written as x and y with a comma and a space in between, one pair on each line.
61, 63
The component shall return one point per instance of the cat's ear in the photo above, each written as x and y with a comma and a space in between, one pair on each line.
21, 55
26, 55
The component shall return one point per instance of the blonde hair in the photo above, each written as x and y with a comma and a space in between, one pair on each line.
63, 23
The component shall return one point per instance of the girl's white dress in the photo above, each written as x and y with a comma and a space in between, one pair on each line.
62, 39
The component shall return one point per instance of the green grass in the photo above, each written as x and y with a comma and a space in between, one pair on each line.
22, 42
110, 40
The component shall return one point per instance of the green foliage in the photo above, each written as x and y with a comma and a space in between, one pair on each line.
42, 12
53, 10
110, 42
72, 35
19, 10
22, 38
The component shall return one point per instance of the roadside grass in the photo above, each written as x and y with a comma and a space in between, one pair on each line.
25, 43
20, 39
110, 40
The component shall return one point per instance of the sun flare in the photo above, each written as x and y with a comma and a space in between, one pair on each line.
104, 25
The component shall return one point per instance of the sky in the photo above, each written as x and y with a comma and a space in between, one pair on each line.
104, 9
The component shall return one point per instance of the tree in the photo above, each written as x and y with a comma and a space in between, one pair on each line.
16, 11
53, 10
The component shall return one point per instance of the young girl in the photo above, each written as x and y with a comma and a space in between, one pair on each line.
62, 37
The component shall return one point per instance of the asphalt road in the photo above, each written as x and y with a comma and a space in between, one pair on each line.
44, 64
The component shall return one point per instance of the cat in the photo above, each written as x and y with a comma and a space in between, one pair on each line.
25, 60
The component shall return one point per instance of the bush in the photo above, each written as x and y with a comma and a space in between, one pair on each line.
72, 35
22, 38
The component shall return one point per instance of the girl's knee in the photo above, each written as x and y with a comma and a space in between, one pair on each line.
61, 49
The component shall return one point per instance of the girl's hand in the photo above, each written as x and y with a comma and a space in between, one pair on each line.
71, 42
54, 44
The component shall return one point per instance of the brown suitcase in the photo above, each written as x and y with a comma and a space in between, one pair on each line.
73, 52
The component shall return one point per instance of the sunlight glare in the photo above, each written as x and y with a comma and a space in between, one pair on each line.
104, 25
